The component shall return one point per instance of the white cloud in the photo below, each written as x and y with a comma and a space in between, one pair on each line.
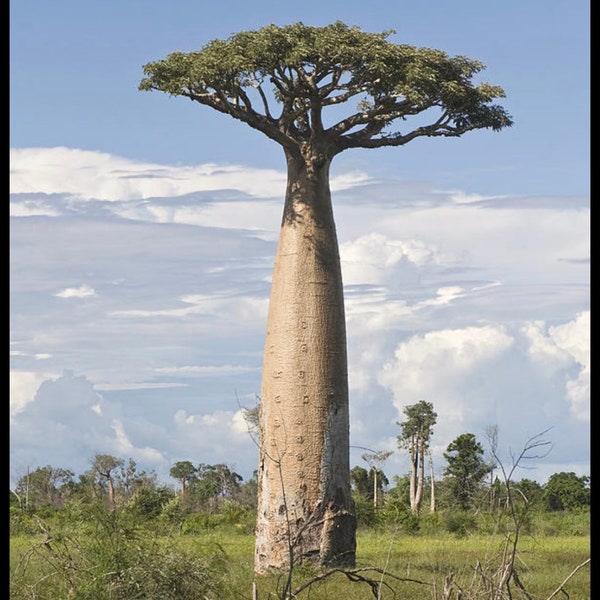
23, 386
437, 360
90, 174
373, 257
123, 447
445, 295
83, 291
163, 385
461, 197
207, 370
566, 348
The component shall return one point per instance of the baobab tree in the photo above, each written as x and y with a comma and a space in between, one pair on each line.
104, 465
374, 460
184, 471
292, 84
417, 430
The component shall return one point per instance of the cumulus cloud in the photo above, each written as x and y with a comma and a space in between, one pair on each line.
565, 347
437, 360
123, 447
23, 386
372, 257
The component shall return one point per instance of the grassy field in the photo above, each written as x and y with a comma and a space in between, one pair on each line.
542, 565
415, 567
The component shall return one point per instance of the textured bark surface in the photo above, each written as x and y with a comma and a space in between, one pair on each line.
305, 508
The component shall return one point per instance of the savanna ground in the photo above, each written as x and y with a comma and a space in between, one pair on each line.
216, 563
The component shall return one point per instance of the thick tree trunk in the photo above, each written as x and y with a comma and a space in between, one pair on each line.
305, 508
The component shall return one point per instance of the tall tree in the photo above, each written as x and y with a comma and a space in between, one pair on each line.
104, 466
290, 83
491, 434
184, 471
374, 460
466, 469
417, 430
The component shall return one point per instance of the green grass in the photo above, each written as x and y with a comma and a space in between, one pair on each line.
423, 562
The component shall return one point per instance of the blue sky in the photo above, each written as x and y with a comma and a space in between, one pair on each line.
143, 232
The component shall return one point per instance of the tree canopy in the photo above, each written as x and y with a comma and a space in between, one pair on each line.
280, 81
466, 468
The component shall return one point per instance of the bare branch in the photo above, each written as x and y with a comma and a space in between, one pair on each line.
560, 588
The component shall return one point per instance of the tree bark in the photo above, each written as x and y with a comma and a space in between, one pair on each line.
421, 475
414, 461
432, 483
305, 508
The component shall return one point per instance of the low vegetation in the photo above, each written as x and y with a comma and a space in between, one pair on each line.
87, 550
116, 534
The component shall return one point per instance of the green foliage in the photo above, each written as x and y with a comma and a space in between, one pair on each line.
107, 554
94, 555
364, 510
45, 486
398, 514
306, 69
466, 470
417, 428
21, 522
241, 517
430, 523
460, 523
566, 491
564, 523
359, 478
196, 523
149, 503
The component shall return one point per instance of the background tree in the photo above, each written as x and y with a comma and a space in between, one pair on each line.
104, 466
45, 486
466, 469
129, 479
531, 491
184, 471
214, 482
374, 460
359, 478
246, 494
149, 502
292, 83
491, 434
566, 491
417, 430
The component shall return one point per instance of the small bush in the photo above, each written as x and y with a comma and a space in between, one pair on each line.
430, 523
365, 512
198, 522
460, 523
20, 522
119, 562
